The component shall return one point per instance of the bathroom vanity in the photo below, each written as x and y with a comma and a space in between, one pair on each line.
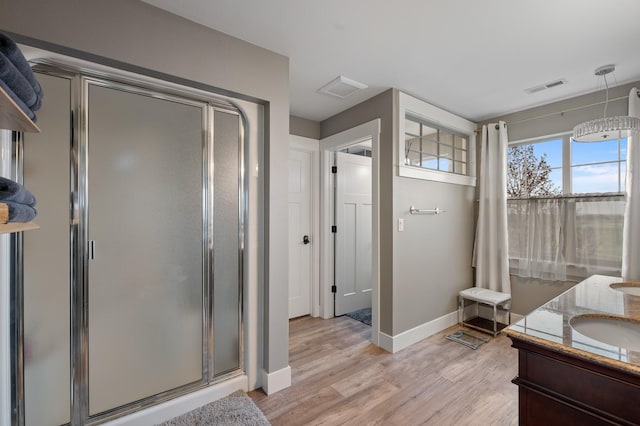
585, 377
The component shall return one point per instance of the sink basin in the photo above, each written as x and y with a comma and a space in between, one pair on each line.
615, 331
627, 288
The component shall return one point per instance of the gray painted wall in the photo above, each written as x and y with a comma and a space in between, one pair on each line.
303, 127
141, 35
528, 293
432, 257
380, 106
522, 126
423, 268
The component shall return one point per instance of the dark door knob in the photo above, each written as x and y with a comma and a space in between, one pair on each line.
305, 239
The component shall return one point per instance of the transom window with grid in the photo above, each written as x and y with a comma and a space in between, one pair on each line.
435, 148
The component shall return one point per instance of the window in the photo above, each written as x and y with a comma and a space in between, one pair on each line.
566, 208
559, 165
598, 166
431, 147
434, 144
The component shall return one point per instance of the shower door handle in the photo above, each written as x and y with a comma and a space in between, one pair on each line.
92, 249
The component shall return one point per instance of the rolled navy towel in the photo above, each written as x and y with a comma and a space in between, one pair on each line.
20, 212
10, 49
18, 101
15, 193
17, 82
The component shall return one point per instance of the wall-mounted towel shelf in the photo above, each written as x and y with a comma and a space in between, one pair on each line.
12, 117
7, 228
437, 210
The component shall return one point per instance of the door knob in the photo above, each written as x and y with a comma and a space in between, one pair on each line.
305, 239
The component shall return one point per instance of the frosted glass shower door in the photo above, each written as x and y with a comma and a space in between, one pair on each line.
227, 265
47, 336
145, 248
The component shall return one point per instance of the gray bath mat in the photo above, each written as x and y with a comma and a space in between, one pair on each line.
236, 409
362, 315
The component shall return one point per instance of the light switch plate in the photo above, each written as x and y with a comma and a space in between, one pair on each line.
400, 225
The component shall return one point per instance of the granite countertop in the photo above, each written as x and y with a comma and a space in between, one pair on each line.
549, 324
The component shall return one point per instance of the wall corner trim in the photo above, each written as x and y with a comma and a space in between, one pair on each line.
276, 381
515, 317
407, 338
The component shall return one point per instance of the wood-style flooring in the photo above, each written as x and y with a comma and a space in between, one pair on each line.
340, 378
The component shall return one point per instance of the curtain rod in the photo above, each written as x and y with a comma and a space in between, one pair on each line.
524, 120
569, 196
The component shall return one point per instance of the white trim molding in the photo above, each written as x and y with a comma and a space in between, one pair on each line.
365, 131
407, 338
276, 381
181, 405
408, 105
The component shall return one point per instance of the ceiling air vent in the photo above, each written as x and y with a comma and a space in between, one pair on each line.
341, 87
545, 86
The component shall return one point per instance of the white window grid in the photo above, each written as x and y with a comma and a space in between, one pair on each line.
451, 157
567, 164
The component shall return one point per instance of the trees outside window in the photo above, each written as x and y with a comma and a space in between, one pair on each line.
529, 175
566, 207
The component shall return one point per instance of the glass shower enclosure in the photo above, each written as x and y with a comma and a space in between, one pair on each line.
131, 292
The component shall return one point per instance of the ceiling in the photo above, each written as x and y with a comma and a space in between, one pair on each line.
474, 58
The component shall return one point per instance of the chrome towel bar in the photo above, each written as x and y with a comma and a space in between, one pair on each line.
437, 210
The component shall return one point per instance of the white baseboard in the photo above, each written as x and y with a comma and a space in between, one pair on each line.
276, 381
407, 338
175, 407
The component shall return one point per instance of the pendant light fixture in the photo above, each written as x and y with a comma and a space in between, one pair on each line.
605, 128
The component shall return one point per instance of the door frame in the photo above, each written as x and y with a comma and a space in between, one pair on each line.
312, 146
369, 130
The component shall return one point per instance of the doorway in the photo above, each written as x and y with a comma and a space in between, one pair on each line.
328, 148
304, 244
353, 230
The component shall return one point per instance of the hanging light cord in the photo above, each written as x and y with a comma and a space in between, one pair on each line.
606, 102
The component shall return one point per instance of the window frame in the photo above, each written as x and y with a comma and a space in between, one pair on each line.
567, 180
423, 112
576, 268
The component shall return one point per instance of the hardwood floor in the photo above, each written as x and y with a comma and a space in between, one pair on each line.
340, 378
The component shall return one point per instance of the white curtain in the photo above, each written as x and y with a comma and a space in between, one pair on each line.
564, 238
491, 250
536, 238
631, 233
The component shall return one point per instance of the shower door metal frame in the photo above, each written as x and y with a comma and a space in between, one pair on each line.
79, 384
242, 197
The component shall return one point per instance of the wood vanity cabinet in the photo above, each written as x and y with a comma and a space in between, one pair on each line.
556, 388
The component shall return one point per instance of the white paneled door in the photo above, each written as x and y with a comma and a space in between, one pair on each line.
300, 226
353, 219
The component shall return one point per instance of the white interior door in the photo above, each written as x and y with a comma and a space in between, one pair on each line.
353, 219
300, 225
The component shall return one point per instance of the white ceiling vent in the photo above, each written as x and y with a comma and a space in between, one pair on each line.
545, 86
341, 87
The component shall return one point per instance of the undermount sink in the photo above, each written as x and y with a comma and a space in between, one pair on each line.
616, 331
628, 288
